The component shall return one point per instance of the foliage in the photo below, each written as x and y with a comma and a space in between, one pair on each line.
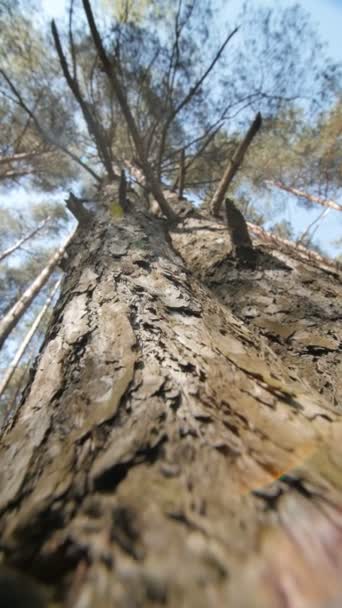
27, 64
299, 154
283, 229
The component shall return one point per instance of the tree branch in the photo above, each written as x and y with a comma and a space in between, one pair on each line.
27, 339
318, 219
71, 40
14, 174
74, 204
313, 255
234, 165
198, 153
94, 128
193, 90
123, 192
43, 133
20, 156
110, 70
25, 238
13, 316
242, 247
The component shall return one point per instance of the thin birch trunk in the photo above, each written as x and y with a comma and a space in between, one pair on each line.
22, 381
14, 315
4, 160
309, 197
25, 238
26, 341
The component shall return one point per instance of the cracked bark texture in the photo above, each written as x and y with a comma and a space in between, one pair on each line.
174, 449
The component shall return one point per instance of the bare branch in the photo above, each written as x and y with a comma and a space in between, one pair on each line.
14, 174
74, 204
206, 182
234, 165
319, 260
123, 191
21, 135
198, 153
42, 132
214, 128
94, 128
19, 157
71, 40
110, 70
193, 90
174, 57
25, 238
312, 224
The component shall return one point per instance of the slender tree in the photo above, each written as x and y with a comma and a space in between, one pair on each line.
309, 197
25, 343
13, 316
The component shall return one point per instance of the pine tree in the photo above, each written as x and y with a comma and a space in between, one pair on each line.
177, 443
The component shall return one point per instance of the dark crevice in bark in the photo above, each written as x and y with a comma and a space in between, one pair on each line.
110, 479
270, 497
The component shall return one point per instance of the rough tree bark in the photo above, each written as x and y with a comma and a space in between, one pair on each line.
168, 452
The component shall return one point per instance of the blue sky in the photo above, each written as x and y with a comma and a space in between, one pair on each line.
326, 14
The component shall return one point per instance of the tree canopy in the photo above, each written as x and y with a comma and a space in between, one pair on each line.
178, 94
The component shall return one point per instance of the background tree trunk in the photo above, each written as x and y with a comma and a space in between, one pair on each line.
14, 315
164, 454
27, 339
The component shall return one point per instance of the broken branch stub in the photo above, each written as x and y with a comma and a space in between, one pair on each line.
242, 247
75, 206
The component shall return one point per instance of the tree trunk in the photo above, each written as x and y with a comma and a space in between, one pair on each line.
13, 316
164, 455
309, 197
26, 341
